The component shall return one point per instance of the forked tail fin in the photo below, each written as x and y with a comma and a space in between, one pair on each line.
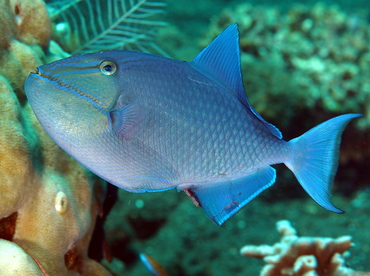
315, 160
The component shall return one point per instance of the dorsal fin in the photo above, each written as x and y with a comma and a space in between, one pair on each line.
221, 58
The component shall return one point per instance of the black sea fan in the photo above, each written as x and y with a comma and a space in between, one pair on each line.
83, 26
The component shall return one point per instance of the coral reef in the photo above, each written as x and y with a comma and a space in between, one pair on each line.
48, 202
7, 24
32, 22
302, 256
304, 58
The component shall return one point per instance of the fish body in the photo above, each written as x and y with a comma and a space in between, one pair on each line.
147, 123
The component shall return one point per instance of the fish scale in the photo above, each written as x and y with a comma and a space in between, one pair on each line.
188, 139
147, 123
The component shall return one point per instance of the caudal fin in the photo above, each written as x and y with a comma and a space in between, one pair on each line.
315, 160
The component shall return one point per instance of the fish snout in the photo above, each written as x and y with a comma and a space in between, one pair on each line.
38, 71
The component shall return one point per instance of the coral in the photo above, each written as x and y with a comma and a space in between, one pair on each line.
7, 24
48, 202
32, 20
304, 58
14, 261
302, 256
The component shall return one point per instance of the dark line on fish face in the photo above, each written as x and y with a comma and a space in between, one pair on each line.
60, 85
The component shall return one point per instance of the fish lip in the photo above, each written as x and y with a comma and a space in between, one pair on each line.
38, 71
38, 74
47, 79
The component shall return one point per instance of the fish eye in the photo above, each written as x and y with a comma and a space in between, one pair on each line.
108, 67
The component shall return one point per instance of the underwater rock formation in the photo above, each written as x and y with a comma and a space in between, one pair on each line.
302, 256
32, 22
13, 260
304, 58
48, 202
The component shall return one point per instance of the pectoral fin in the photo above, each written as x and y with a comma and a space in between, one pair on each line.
125, 119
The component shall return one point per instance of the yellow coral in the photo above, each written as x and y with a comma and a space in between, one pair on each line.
7, 24
32, 20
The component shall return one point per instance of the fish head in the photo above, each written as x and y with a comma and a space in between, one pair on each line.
68, 93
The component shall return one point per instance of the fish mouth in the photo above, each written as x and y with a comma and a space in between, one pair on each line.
44, 81
35, 82
40, 75
38, 78
38, 71
48, 79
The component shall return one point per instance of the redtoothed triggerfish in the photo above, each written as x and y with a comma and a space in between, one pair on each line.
147, 123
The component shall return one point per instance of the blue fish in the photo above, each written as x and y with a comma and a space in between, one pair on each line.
147, 123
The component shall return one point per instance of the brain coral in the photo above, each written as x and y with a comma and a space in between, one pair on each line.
303, 59
48, 202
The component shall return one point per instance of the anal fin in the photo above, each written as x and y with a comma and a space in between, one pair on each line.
224, 199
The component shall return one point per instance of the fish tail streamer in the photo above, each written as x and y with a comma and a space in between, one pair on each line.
315, 159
